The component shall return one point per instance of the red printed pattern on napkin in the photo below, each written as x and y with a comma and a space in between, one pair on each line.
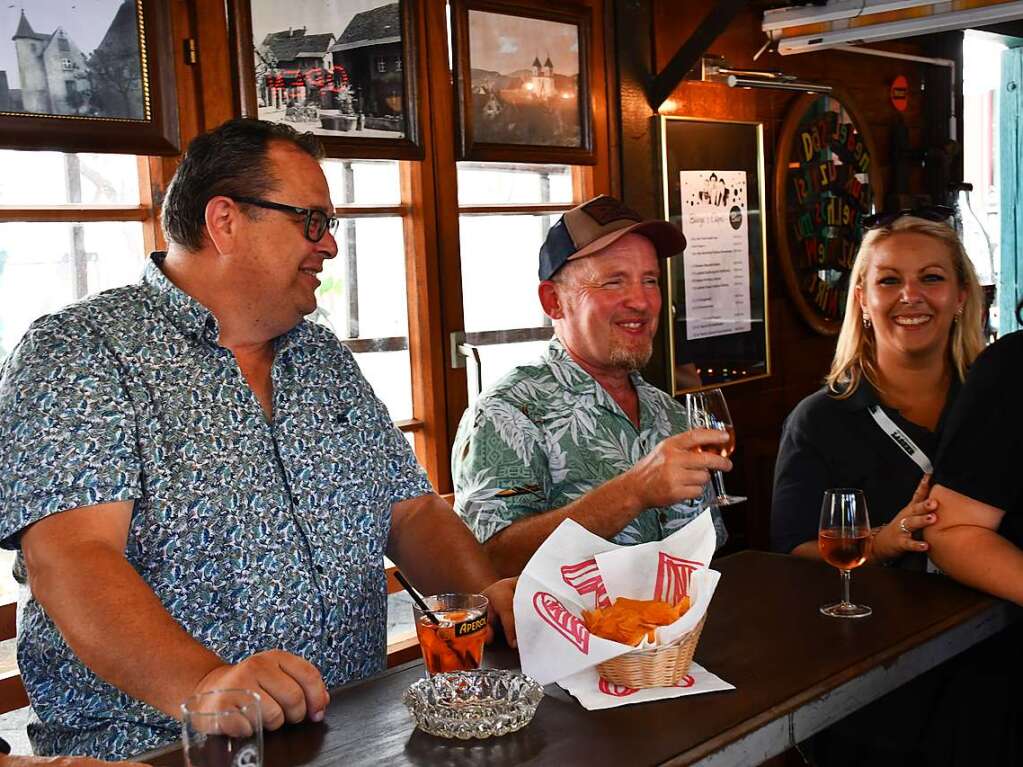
585, 578
557, 615
673, 577
615, 690
621, 691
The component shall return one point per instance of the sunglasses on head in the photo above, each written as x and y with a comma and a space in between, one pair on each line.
938, 213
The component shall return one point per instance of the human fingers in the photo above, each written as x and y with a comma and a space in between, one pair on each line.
697, 448
690, 481
224, 703
923, 487
501, 596
707, 461
308, 678
283, 698
700, 439
918, 518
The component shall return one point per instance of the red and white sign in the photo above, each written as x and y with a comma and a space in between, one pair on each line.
899, 93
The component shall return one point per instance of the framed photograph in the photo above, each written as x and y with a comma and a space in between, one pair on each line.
522, 73
88, 76
345, 70
717, 288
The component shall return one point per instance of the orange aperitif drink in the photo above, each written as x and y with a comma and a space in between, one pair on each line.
454, 641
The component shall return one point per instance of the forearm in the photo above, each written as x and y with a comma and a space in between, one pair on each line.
808, 550
604, 511
437, 552
115, 624
980, 558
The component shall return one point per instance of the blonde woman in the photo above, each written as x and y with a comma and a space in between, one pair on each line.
912, 328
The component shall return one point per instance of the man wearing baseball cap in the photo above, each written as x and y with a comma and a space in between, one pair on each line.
579, 434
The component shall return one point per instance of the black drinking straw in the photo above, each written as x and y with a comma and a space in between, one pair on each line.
415, 595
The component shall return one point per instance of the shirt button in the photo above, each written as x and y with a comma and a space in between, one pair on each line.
294, 500
319, 569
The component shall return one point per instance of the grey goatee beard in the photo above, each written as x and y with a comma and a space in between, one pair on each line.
630, 358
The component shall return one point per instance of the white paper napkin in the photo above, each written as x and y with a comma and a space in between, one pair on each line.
595, 693
575, 570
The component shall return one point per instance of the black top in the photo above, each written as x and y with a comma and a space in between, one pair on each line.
981, 453
828, 442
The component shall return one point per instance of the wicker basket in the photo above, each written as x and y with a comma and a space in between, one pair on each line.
662, 666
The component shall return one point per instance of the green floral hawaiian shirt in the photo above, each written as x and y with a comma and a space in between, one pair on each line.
548, 433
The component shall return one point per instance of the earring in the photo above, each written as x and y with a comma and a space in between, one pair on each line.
866, 321
957, 315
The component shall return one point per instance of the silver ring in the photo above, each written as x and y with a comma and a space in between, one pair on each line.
902, 526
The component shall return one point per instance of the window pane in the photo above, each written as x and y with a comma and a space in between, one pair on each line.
44, 266
505, 183
362, 296
498, 359
390, 375
54, 178
363, 182
499, 281
499, 266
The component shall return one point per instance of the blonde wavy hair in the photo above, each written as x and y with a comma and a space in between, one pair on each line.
855, 353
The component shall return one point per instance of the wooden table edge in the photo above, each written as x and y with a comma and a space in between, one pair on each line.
982, 621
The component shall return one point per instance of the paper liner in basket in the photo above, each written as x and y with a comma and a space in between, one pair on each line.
575, 570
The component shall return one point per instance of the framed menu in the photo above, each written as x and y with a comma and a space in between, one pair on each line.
713, 175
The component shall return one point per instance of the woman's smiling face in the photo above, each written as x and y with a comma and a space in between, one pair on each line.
911, 293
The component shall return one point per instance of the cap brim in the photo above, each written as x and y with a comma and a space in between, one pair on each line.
666, 238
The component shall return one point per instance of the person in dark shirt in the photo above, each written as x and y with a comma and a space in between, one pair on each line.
912, 327
979, 537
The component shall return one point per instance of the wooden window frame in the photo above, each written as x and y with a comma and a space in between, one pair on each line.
12, 691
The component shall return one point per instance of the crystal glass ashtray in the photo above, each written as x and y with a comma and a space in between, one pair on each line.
473, 704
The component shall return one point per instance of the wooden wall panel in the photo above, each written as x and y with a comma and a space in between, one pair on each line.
799, 356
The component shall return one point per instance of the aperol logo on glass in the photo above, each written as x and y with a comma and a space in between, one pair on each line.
829, 193
470, 626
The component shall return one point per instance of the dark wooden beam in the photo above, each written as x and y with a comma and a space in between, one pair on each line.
713, 24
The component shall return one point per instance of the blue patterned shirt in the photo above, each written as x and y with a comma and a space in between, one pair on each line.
254, 536
546, 434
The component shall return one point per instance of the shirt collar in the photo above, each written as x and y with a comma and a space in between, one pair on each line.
188, 315
866, 396
577, 380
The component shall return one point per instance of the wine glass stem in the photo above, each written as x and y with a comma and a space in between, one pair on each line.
719, 483
846, 579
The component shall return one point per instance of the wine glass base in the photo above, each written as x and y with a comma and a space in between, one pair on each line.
728, 500
846, 610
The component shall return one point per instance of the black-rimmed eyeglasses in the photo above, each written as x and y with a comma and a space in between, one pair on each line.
317, 222
938, 213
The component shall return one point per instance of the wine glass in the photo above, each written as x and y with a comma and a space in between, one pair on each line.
708, 410
844, 542
222, 728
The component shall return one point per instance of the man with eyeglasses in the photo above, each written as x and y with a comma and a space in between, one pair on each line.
200, 483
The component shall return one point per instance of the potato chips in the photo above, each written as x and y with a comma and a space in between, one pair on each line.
630, 620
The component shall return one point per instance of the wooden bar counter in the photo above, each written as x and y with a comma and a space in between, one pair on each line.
795, 670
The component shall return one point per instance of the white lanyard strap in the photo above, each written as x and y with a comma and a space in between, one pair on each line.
900, 438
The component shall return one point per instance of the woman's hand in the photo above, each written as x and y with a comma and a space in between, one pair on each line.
896, 538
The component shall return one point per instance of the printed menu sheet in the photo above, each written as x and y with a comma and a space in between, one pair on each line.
715, 221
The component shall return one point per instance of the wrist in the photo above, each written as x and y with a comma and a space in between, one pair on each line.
878, 555
632, 488
203, 678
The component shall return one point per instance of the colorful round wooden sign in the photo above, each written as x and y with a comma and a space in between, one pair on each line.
825, 183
